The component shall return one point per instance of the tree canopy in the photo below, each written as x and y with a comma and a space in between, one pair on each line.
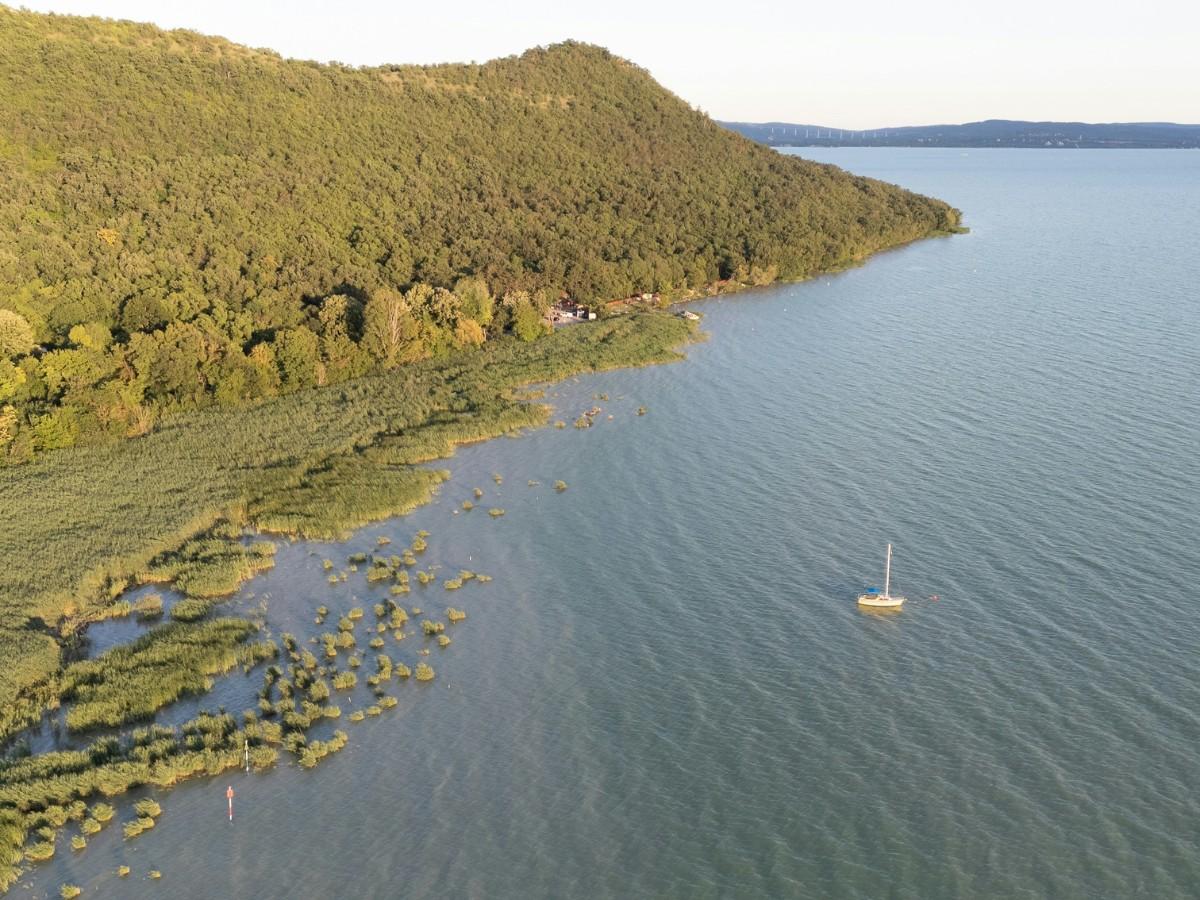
186, 222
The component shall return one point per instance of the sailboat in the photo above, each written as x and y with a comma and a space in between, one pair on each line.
885, 600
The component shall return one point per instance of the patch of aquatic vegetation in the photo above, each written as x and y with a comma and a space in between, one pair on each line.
345, 494
134, 681
40, 794
213, 566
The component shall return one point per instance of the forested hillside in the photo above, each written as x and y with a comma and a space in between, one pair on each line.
186, 222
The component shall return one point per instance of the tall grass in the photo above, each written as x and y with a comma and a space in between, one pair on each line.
133, 681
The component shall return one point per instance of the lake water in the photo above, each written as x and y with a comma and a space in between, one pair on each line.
668, 690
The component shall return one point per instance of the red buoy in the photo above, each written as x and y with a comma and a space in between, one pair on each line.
229, 797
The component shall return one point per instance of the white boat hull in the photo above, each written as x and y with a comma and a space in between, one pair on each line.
881, 601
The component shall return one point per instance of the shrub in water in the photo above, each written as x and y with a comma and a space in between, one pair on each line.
78, 842
443, 640
495, 512
455, 615
67, 891
424, 672
137, 826
148, 607
560, 486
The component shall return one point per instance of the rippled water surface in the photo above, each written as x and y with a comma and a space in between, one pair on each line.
667, 690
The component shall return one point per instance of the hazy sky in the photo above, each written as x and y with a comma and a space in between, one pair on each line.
836, 62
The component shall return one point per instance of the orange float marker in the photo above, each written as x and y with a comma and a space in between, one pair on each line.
229, 797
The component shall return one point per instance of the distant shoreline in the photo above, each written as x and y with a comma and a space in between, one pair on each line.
991, 134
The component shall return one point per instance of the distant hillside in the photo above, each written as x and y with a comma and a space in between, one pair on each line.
187, 222
992, 133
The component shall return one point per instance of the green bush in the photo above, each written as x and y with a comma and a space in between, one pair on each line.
102, 812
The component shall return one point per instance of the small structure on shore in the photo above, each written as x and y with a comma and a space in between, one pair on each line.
566, 311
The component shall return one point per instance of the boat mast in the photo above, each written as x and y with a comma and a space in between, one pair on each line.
887, 574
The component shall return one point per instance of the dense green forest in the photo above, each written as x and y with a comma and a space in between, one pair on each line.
185, 222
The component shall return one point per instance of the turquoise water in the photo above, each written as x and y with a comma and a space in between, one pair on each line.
667, 690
